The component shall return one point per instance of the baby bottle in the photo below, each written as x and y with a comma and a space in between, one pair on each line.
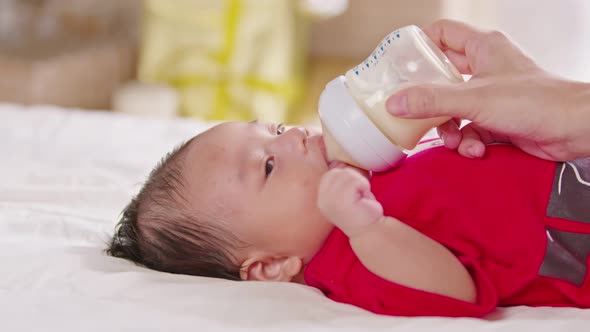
356, 126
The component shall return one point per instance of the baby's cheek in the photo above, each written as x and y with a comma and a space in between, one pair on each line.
311, 182
308, 193
308, 184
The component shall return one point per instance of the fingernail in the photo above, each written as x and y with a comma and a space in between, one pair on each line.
475, 151
397, 105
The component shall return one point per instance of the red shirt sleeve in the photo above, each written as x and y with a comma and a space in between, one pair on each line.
342, 277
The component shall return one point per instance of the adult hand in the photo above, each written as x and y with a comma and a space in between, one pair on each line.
509, 98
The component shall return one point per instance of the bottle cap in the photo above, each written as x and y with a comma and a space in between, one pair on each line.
354, 131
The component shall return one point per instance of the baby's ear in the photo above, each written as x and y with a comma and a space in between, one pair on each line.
271, 268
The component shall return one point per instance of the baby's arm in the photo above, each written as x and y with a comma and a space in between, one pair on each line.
387, 247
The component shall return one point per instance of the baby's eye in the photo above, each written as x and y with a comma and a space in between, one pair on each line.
280, 129
269, 166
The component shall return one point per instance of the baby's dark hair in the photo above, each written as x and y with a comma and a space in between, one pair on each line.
160, 230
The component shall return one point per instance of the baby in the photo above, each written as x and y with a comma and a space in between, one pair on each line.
439, 235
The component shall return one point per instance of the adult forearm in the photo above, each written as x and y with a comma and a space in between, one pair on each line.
577, 127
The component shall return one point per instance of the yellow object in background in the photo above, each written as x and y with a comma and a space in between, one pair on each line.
228, 59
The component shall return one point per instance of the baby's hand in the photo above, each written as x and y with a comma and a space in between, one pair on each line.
345, 198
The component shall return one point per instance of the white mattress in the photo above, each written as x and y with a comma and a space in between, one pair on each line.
64, 177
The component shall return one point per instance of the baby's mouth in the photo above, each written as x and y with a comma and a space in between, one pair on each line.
317, 141
322, 147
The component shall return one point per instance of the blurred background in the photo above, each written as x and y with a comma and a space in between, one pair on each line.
240, 59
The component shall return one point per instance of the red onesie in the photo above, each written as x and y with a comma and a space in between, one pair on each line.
520, 225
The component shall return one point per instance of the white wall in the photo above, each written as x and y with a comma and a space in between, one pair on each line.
556, 33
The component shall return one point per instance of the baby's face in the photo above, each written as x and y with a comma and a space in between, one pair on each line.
263, 182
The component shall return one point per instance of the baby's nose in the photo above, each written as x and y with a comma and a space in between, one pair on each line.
304, 131
298, 137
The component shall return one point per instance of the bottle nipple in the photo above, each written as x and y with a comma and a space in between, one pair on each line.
334, 151
350, 136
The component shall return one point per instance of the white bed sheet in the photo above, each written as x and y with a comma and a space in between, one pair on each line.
64, 177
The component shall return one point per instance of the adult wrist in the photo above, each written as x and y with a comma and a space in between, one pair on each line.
578, 125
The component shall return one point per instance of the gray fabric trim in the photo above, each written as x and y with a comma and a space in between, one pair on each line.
570, 195
566, 256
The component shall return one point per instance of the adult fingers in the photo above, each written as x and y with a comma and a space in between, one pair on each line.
433, 100
471, 145
450, 134
453, 35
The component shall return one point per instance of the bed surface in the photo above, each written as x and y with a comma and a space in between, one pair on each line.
64, 177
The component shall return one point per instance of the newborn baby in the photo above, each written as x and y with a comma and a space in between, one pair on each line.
439, 235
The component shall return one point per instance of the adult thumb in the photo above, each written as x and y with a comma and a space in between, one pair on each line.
431, 100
